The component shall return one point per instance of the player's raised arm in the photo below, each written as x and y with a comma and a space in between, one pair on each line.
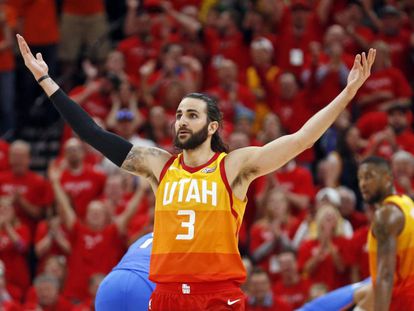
387, 225
144, 161
258, 161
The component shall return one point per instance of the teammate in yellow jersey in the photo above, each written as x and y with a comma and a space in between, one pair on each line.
391, 238
200, 193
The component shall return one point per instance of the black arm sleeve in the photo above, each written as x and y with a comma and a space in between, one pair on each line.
114, 147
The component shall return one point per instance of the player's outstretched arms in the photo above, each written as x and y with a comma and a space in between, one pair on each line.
137, 160
258, 161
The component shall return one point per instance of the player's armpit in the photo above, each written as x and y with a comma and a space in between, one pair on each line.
146, 161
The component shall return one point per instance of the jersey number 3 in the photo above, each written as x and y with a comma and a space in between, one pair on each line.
189, 225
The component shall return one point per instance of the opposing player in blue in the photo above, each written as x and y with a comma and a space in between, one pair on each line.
358, 294
126, 287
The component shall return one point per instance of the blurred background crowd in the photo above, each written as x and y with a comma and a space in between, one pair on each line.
67, 214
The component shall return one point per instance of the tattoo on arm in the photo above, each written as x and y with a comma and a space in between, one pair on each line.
136, 161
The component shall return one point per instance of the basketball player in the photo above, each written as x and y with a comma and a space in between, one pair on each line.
391, 238
200, 194
126, 287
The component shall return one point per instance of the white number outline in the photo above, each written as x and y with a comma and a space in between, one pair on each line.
187, 224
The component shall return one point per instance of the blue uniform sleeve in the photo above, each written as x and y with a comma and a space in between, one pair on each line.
336, 300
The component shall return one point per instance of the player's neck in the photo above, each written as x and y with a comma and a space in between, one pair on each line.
198, 156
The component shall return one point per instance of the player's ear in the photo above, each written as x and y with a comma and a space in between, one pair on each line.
213, 127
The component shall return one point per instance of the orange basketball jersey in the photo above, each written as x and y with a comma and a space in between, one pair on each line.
196, 225
404, 272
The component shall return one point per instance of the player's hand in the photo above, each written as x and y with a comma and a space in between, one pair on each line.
36, 65
361, 69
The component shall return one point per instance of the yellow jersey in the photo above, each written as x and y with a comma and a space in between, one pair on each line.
196, 225
404, 272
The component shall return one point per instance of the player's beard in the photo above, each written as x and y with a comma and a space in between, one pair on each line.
195, 140
375, 198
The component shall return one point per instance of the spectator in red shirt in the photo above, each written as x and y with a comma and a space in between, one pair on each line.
397, 135
54, 266
357, 250
291, 104
347, 208
358, 35
291, 287
172, 65
262, 75
271, 129
38, 21
96, 245
260, 294
386, 85
296, 182
10, 295
89, 304
30, 192
222, 39
7, 65
297, 27
399, 39
329, 69
95, 95
233, 97
50, 240
322, 259
81, 182
271, 234
139, 44
402, 163
4, 155
14, 245
47, 295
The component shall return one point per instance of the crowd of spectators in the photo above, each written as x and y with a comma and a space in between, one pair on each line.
271, 64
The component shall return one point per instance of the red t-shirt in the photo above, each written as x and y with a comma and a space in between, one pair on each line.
11, 306
85, 306
325, 272
4, 155
405, 141
290, 56
41, 231
225, 47
34, 188
400, 49
80, 7
297, 180
40, 25
83, 188
390, 79
296, 295
351, 46
358, 251
96, 105
61, 305
140, 218
14, 257
357, 220
92, 252
136, 52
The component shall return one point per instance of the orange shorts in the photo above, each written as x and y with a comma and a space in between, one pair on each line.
211, 296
